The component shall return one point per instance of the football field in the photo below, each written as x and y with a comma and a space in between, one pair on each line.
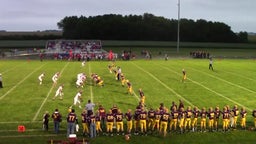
23, 101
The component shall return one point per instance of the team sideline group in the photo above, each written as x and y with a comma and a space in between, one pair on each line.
145, 121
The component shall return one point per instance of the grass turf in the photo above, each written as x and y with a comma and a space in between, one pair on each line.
23, 101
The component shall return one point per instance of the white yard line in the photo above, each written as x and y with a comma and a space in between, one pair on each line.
27, 136
170, 89
236, 85
219, 94
38, 111
12, 68
20, 82
20, 122
238, 75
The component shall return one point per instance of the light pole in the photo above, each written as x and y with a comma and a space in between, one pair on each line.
178, 30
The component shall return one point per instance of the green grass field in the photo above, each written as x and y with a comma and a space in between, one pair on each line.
23, 101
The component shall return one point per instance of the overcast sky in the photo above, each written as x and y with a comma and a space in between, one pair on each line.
33, 15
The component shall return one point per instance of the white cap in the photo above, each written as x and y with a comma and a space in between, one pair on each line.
0, 74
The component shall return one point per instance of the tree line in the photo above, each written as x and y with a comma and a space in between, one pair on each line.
147, 27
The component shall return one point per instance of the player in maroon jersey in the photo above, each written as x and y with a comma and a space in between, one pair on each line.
143, 121
98, 123
136, 120
211, 115
196, 114
119, 122
151, 117
157, 120
128, 117
172, 106
164, 122
188, 118
92, 125
85, 123
102, 114
203, 116
174, 118
217, 113
71, 120
225, 119
110, 122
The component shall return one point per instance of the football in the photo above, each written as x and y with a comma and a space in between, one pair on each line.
127, 137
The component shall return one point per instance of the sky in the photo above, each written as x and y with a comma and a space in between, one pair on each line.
34, 15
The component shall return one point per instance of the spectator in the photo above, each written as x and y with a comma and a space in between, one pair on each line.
1, 83
56, 119
71, 122
46, 121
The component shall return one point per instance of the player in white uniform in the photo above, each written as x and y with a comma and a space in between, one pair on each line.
59, 92
79, 83
83, 63
77, 99
40, 78
55, 78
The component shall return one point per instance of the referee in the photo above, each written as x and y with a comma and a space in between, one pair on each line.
89, 107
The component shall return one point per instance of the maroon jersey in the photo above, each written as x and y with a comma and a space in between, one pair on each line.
235, 111
56, 116
243, 114
110, 117
254, 113
119, 117
158, 115
174, 114
141, 93
114, 110
84, 118
203, 114
92, 119
217, 114
102, 112
225, 115
211, 115
128, 116
189, 113
182, 115
196, 113
165, 117
143, 115
97, 118
151, 114
71, 118
137, 114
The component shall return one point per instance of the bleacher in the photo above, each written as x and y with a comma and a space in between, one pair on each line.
75, 49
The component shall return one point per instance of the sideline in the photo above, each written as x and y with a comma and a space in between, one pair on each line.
170, 89
38, 111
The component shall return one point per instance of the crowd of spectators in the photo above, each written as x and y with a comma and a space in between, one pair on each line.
200, 54
76, 49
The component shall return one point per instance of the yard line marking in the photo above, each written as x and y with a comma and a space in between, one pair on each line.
219, 94
20, 82
12, 68
38, 111
236, 85
240, 75
20, 122
27, 136
91, 92
170, 89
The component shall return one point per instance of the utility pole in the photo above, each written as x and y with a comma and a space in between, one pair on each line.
178, 30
